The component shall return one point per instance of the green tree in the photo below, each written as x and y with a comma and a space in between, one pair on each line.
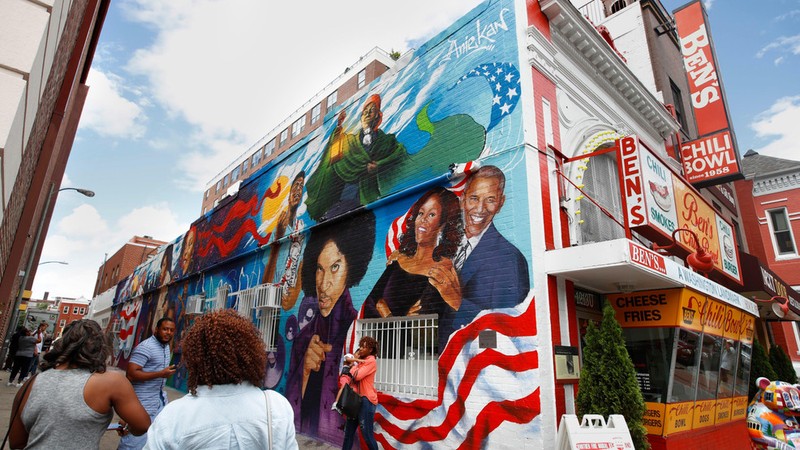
608, 382
760, 367
782, 365
394, 54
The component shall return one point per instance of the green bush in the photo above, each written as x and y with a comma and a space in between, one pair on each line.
760, 367
782, 365
608, 382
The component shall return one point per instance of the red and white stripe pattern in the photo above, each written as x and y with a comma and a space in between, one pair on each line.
479, 391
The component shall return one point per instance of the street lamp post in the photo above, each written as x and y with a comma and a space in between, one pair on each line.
29, 264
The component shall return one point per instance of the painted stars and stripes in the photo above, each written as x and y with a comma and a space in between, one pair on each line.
504, 81
472, 398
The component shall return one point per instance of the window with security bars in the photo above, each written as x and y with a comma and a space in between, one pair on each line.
261, 304
601, 184
408, 352
217, 301
782, 232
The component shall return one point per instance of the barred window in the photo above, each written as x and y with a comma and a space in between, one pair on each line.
261, 304
408, 354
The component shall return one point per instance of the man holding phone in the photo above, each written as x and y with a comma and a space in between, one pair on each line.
148, 370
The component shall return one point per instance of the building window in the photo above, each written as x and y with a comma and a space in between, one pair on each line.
75, 310
362, 78
219, 185
677, 100
332, 99
245, 166
738, 233
618, 5
315, 113
269, 148
207, 193
602, 185
226, 180
284, 136
61, 323
409, 353
235, 174
298, 126
256, 158
547, 117
83, 311
781, 232
66, 310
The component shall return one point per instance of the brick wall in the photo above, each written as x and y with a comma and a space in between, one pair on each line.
40, 157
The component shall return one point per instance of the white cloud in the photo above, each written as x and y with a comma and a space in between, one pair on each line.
779, 123
262, 61
84, 235
107, 112
708, 4
783, 44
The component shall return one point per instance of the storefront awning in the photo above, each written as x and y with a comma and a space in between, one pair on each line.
764, 284
622, 265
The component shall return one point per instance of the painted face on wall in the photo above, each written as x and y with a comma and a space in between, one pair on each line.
296, 192
369, 115
187, 249
483, 198
428, 222
331, 277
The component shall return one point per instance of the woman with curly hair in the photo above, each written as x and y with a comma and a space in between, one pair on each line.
226, 360
69, 404
420, 277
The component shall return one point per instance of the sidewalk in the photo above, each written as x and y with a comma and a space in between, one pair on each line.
110, 439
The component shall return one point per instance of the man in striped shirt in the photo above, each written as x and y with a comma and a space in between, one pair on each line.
148, 370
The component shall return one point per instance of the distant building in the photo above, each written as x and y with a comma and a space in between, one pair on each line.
46, 49
124, 260
70, 310
771, 222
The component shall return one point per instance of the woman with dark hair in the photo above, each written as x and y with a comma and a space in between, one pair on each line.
336, 257
420, 277
226, 409
362, 379
69, 404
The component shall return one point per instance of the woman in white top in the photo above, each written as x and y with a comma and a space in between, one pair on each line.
227, 409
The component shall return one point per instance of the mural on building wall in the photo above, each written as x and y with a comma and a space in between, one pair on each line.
402, 204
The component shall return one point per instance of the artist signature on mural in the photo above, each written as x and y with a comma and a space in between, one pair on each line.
481, 40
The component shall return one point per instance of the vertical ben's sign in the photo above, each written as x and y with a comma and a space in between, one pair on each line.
712, 158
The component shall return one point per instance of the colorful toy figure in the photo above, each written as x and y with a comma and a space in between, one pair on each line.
772, 417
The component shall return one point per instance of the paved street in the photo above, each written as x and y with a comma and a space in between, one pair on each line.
110, 439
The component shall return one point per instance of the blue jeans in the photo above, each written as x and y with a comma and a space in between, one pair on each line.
366, 420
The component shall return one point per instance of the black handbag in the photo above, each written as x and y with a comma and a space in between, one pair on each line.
349, 402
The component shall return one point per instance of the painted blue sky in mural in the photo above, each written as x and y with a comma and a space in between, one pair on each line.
148, 142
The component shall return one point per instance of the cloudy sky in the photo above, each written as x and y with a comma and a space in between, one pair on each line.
180, 88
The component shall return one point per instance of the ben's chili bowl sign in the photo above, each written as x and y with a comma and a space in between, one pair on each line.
659, 201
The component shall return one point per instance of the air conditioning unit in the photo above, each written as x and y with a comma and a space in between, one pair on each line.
244, 302
194, 304
267, 296
218, 301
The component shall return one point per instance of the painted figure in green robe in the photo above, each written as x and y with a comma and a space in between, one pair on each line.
352, 164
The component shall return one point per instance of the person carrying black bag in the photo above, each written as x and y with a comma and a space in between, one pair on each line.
363, 382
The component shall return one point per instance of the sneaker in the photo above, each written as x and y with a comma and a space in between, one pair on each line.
19, 384
9, 384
